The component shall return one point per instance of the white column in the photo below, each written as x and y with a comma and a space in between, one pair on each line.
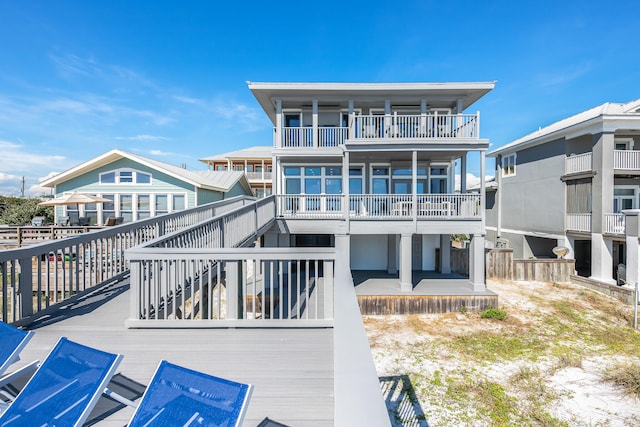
482, 191
601, 258
278, 132
346, 208
632, 263
414, 187
476, 263
315, 122
463, 173
445, 253
343, 248
387, 118
352, 122
406, 284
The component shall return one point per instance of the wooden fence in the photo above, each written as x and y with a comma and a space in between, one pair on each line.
501, 265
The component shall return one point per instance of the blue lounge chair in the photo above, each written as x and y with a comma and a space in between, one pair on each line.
177, 396
64, 389
12, 341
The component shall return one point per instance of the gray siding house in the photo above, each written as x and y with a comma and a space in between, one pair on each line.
140, 188
568, 184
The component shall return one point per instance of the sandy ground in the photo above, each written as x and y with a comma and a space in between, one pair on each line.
430, 379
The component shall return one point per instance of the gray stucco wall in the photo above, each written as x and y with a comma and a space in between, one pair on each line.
534, 199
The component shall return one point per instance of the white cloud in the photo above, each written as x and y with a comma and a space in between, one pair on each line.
564, 76
21, 160
142, 138
472, 181
6, 177
161, 153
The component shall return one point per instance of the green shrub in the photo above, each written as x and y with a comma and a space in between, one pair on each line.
494, 313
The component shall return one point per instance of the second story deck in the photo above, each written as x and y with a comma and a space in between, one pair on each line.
331, 115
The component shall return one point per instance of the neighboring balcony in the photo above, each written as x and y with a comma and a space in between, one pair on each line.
622, 160
259, 176
614, 223
379, 206
382, 128
626, 159
578, 163
580, 222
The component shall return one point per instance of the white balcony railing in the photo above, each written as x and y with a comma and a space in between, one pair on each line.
578, 163
380, 206
626, 159
331, 136
614, 223
259, 176
578, 222
386, 127
429, 126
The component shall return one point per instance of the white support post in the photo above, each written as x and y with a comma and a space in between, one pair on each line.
278, 133
476, 263
632, 263
351, 133
315, 122
602, 258
406, 281
346, 208
387, 118
463, 173
482, 190
414, 188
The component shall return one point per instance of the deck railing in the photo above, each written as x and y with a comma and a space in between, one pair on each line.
626, 159
429, 126
614, 223
578, 163
259, 176
578, 222
38, 278
384, 127
242, 287
379, 206
21, 235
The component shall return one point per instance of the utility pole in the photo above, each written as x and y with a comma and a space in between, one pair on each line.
22, 187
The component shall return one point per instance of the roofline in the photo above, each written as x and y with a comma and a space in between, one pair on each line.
369, 86
590, 124
54, 180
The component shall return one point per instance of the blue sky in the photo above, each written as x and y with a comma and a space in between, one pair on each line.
166, 79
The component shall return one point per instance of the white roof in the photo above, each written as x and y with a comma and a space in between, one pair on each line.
340, 93
555, 130
221, 181
251, 153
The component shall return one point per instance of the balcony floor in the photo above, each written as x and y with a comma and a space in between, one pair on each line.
292, 369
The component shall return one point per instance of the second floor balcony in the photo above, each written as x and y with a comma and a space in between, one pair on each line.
623, 160
382, 128
613, 223
379, 206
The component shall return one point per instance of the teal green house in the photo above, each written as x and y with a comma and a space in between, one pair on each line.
137, 187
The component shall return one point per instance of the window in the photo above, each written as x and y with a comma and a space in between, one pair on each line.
438, 180
509, 165
624, 143
108, 208
126, 207
162, 204
125, 177
178, 202
108, 178
144, 206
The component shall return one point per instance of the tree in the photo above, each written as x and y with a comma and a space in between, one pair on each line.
19, 211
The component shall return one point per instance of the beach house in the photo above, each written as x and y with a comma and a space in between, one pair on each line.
140, 188
255, 162
371, 167
567, 184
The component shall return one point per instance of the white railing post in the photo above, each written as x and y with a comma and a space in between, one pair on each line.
329, 284
232, 280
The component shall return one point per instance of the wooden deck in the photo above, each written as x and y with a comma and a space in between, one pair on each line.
379, 293
292, 369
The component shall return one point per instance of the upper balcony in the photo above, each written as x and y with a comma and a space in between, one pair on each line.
623, 160
390, 128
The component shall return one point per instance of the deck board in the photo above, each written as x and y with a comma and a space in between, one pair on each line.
292, 369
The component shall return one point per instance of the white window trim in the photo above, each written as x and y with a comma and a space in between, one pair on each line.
505, 158
134, 177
